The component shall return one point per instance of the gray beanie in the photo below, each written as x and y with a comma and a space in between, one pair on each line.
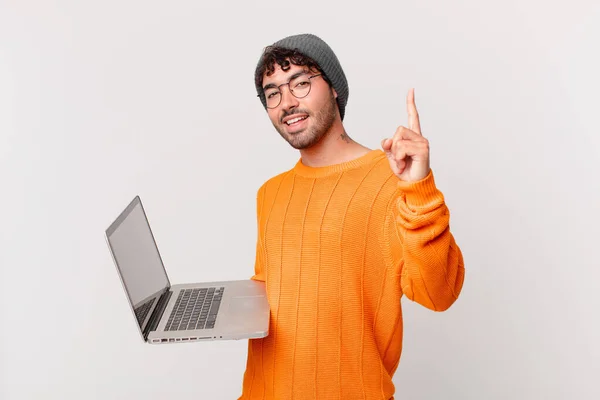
315, 48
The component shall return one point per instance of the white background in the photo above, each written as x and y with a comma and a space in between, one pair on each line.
100, 101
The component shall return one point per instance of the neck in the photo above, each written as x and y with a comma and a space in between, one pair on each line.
335, 147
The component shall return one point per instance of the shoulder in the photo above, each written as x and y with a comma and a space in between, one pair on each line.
380, 170
271, 183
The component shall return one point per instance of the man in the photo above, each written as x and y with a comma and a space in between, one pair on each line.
342, 236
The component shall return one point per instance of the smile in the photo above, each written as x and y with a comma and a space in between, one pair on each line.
295, 120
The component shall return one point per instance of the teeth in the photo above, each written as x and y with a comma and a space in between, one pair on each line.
291, 121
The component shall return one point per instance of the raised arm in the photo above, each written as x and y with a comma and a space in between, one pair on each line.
432, 266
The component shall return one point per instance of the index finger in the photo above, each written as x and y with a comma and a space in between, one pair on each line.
413, 116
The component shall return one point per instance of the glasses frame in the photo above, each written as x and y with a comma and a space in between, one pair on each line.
291, 91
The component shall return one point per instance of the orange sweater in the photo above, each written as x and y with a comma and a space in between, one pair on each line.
338, 247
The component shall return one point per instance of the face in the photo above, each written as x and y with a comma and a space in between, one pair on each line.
305, 121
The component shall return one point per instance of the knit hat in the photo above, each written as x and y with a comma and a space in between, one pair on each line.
315, 48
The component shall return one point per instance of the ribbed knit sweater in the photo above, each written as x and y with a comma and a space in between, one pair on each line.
338, 247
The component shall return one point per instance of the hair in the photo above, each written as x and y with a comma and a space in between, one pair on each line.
284, 57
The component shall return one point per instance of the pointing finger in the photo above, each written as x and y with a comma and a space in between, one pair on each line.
413, 116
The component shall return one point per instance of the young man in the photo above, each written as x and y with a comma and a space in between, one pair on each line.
342, 236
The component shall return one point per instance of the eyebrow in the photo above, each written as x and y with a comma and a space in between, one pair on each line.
297, 74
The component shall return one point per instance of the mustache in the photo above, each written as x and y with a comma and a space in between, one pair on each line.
292, 112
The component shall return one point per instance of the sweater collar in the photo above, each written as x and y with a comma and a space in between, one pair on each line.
318, 172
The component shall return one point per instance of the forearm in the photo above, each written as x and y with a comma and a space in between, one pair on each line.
432, 271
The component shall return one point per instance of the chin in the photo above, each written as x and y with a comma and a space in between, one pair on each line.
303, 140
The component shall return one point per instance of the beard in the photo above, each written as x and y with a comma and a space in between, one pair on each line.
320, 125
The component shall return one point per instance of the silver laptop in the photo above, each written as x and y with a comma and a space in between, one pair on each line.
184, 312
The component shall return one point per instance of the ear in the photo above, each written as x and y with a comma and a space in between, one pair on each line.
334, 93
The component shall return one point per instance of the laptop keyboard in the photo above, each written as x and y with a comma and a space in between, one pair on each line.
142, 311
195, 309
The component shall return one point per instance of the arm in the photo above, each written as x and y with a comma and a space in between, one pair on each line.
259, 270
432, 267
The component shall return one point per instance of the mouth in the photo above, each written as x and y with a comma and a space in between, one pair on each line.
294, 120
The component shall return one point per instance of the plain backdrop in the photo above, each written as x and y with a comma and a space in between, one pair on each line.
102, 101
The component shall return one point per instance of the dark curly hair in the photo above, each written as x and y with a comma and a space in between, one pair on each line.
283, 57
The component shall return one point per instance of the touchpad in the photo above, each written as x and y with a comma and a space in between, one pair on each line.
245, 304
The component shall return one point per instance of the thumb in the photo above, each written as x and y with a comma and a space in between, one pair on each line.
386, 144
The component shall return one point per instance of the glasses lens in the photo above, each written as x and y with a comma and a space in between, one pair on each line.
273, 97
300, 86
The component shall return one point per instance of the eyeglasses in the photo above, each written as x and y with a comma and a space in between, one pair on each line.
299, 87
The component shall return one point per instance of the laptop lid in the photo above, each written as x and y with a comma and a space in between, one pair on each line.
138, 263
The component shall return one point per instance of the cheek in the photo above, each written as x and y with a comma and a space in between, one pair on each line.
273, 116
319, 101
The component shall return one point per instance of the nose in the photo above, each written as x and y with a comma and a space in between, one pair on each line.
288, 100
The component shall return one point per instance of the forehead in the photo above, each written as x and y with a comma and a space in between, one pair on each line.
279, 75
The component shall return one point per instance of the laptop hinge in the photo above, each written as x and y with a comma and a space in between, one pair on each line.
158, 312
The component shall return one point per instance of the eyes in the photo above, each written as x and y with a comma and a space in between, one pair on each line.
294, 88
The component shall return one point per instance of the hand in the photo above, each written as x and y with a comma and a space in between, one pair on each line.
408, 150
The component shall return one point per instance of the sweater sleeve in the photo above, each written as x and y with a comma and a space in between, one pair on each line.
259, 268
431, 263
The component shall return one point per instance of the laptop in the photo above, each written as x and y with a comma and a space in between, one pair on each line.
189, 312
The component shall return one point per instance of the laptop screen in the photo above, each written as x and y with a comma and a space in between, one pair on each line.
137, 259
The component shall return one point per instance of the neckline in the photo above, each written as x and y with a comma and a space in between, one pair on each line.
317, 172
